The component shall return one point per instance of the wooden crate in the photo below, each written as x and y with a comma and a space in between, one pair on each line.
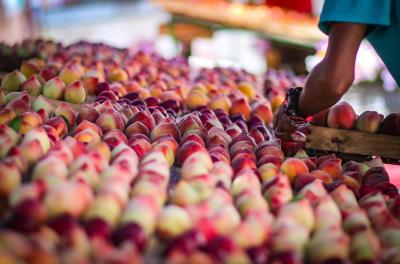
354, 142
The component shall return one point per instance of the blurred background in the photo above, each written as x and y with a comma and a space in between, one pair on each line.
237, 38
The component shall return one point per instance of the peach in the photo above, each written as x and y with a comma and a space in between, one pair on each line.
43, 114
257, 135
28, 120
40, 135
75, 93
277, 192
342, 116
333, 167
291, 167
165, 129
246, 179
302, 180
269, 159
69, 197
365, 246
29, 68
350, 182
114, 137
59, 124
54, 88
270, 150
109, 120
28, 191
173, 221
313, 191
241, 107
324, 176
91, 79
233, 130
188, 123
50, 167
33, 86
320, 118
220, 101
391, 125
325, 241
268, 171
20, 104
12, 81
196, 164
140, 146
29, 151
196, 99
136, 127
104, 207
369, 121
263, 111
276, 100
71, 72
247, 90
359, 167
67, 113
88, 113
145, 118
6, 115
10, 178
42, 102
118, 75
47, 73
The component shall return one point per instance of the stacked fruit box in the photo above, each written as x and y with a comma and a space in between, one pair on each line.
112, 157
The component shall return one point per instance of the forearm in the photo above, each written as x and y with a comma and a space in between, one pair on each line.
334, 75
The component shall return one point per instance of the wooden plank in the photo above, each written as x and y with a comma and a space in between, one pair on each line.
353, 142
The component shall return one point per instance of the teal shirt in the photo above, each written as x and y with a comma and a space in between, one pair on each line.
382, 18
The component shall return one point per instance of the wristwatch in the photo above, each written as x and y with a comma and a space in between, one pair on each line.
291, 103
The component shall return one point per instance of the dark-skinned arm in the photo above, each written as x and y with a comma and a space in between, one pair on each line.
334, 75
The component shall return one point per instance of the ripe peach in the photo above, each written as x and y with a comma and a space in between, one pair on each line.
268, 171
75, 93
196, 99
246, 179
40, 135
324, 176
12, 81
241, 107
10, 178
91, 79
29, 120
19, 105
67, 113
109, 120
3, 100
104, 207
196, 164
278, 192
342, 116
292, 167
320, 119
145, 118
6, 115
270, 150
263, 111
33, 86
29, 68
247, 90
188, 123
173, 221
391, 125
88, 113
54, 88
59, 124
71, 72
50, 167
30, 151
165, 129
220, 101
333, 167
369, 121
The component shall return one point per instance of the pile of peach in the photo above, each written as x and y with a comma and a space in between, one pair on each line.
192, 178
343, 116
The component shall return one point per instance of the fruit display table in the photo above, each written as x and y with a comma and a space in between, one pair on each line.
109, 156
293, 35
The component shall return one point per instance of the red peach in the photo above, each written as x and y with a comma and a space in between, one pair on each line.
320, 118
342, 116
369, 121
292, 167
333, 167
